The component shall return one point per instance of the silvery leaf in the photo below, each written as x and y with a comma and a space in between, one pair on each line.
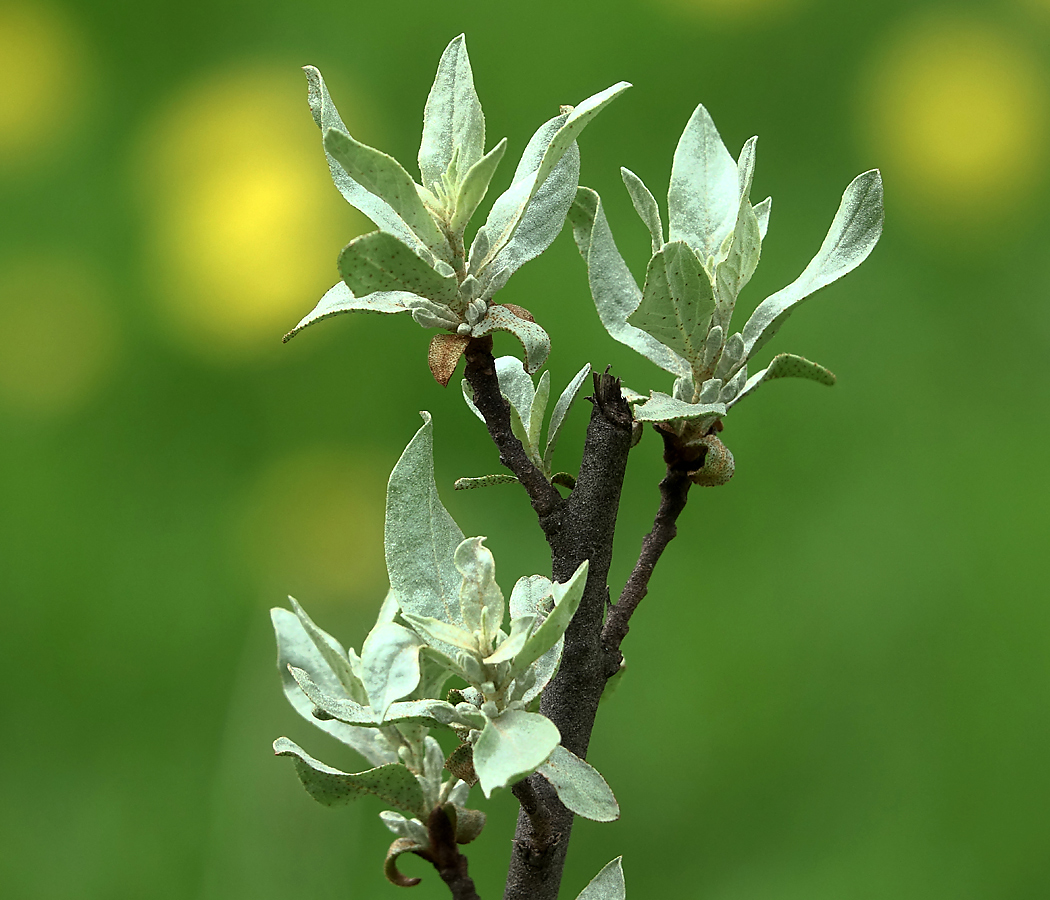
420, 536
517, 387
677, 302
378, 210
580, 786
735, 271
469, 484
539, 407
480, 599
662, 408
704, 194
520, 629
561, 410
340, 299
511, 746
646, 206
335, 656
452, 118
383, 176
567, 599
608, 884
852, 236
379, 262
613, 287
532, 596
441, 634
786, 365
475, 185
392, 783
412, 829
390, 662
534, 340
762, 215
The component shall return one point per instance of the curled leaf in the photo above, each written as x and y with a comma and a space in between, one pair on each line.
534, 340
400, 846
444, 354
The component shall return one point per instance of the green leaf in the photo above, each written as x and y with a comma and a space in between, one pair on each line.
520, 629
608, 884
533, 596
735, 271
662, 408
515, 384
333, 653
536, 413
340, 299
393, 783
851, 238
390, 660
296, 648
580, 786
412, 829
645, 205
481, 601
677, 302
377, 209
704, 194
452, 118
475, 185
534, 340
561, 410
379, 262
786, 365
567, 599
383, 176
469, 484
613, 287
512, 746
421, 537
442, 634
542, 154
762, 215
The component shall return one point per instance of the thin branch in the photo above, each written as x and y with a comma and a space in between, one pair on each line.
481, 376
537, 813
444, 855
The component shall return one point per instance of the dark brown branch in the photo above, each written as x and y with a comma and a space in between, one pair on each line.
481, 376
535, 810
444, 855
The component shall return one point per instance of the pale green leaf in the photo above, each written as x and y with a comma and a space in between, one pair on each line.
532, 596
786, 365
520, 629
608, 884
412, 829
516, 386
511, 747
480, 599
615, 292
645, 205
393, 783
735, 271
452, 118
567, 599
662, 408
539, 407
334, 654
762, 215
390, 664
851, 238
580, 786
378, 262
475, 185
340, 299
677, 302
441, 634
534, 340
561, 410
469, 484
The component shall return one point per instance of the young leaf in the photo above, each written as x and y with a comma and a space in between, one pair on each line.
520, 629
567, 599
851, 238
704, 194
534, 340
340, 299
412, 829
390, 660
561, 410
533, 596
580, 786
452, 118
420, 536
393, 783
677, 301
469, 484
762, 215
511, 747
613, 287
608, 884
539, 407
516, 386
786, 365
475, 185
735, 271
480, 599
645, 205
377, 262
662, 408
399, 848
441, 634
335, 656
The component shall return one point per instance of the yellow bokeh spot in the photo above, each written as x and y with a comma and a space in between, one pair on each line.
312, 526
245, 224
43, 79
742, 11
957, 114
60, 334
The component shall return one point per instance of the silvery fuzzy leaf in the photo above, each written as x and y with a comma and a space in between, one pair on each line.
608, 884
677, 302
533, 596
786, 365
296, 648
390, 664
377, 209
379, 262
709, 391
340, 299
851, 238
580, 786
441, 634
480, 599
452, 119
735, 271
561, 410
334, 654
475, 185
762, 215
684, 389
467, 823
645, 205
433, 771
412, 829
662, 408
613, 287
469, 484
734, 386
704, 194
392, 783
516, 386
461, 792
421, 537
536, 413
732, 353
383, 176
520, 629
534, 340
543, 153
512, 746
468, 398
567, 599
435, 668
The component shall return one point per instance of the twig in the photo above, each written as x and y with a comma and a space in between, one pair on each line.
537, 813
444, 855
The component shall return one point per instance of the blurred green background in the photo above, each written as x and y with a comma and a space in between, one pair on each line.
839, 684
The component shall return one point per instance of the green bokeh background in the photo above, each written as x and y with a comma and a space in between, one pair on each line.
839, 683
